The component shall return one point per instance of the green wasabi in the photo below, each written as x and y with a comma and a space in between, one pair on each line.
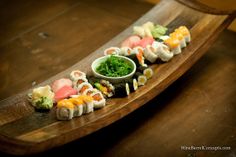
158, 31
43, 103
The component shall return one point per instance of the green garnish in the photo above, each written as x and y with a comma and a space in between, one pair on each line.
43, 103
158, 31
114, 67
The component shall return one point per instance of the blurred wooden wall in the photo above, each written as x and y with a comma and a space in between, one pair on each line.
221, 4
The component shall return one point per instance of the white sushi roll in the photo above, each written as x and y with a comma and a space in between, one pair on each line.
65, 110
125, 51
185, 32
138, 30
142, 80
112, 51
164, 53
83, 86
98, 100
139, 51
177, 50
149, 54
90, 91
78, 106
148, 72
79, 81
76, 74
88, 105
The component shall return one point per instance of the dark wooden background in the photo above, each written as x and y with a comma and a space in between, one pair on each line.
41, 38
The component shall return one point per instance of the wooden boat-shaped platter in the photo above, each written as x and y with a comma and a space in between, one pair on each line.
24, 131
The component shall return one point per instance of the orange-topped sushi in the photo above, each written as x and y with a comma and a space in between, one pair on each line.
78, 103
174, 44
185, 32
65, 110
180, 37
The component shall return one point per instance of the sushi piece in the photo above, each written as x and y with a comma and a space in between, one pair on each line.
88, 104
65, 110
125, 51
185, 32
76, 74
90, 91
148, 72
148, 33
131, 41
122, 89
105, 87
145, 41
139, 51
98, 100
79, 81
180, 37
56, 85
174, 45
64, 92
133, 85
150, 54
78, 106
83, 86
109, 86
142, 79
112, 51
162, 51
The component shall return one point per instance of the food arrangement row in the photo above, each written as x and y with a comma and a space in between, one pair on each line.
80, 93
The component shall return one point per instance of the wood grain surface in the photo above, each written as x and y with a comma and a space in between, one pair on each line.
30, 132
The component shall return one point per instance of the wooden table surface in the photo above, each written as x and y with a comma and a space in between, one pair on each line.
41, 38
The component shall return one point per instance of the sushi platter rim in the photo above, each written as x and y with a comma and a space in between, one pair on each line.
112, 79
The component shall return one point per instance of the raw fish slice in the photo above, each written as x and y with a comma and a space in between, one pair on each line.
64, 92
131, 41
145, 41
56, 85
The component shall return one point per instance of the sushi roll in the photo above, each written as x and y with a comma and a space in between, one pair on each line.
174, 45
83, 86
76, 74
79, 81
164, 53
109, 86
125, 51
78, 106
150, 54
185, 32
65, 110
148, 72
142, 79
88, 104
121, 89
98, 100
133, 85
90, 91
180, 37
112, 51
139, 51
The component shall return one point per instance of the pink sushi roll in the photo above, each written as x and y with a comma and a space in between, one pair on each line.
131, 41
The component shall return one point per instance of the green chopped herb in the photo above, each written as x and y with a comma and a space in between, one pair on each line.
114, 67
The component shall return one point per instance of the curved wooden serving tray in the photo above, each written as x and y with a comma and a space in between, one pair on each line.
24, 131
